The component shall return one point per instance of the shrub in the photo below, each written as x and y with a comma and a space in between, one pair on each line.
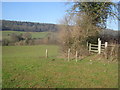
111, 52
5, 42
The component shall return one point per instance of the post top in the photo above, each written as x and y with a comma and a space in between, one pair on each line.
98, 39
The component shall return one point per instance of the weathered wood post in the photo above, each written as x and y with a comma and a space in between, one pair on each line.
87, 44
89, 47
68, 54
106, 44
46, 53
76, 55
99, 46
98, 39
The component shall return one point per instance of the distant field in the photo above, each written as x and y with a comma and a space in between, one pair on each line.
6, 34
26, 67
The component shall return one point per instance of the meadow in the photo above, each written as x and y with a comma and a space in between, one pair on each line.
6, 34
27, 67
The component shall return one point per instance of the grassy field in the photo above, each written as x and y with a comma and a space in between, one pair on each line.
26, 67
34, 34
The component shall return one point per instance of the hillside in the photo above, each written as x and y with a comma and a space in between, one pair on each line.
110, 32
27, 26
39, 27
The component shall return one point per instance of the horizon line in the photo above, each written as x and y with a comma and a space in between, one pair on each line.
28, 21
43, 23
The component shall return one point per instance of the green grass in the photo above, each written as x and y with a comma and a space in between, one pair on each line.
27, 67
34, 34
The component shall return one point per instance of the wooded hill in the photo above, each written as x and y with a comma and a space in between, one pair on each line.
106, 34
44, 27
27, 26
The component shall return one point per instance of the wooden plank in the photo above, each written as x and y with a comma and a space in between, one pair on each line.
102, 49
102, 44
94, 50
94, 45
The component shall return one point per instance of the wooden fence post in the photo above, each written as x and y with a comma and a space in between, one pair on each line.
68, 54
76, 55
98, 39
99, 46
89, 47
106, 44
87, 44
46, 53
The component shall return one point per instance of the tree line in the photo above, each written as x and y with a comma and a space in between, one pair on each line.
28, 26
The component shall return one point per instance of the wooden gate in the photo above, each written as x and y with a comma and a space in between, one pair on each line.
97, 48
